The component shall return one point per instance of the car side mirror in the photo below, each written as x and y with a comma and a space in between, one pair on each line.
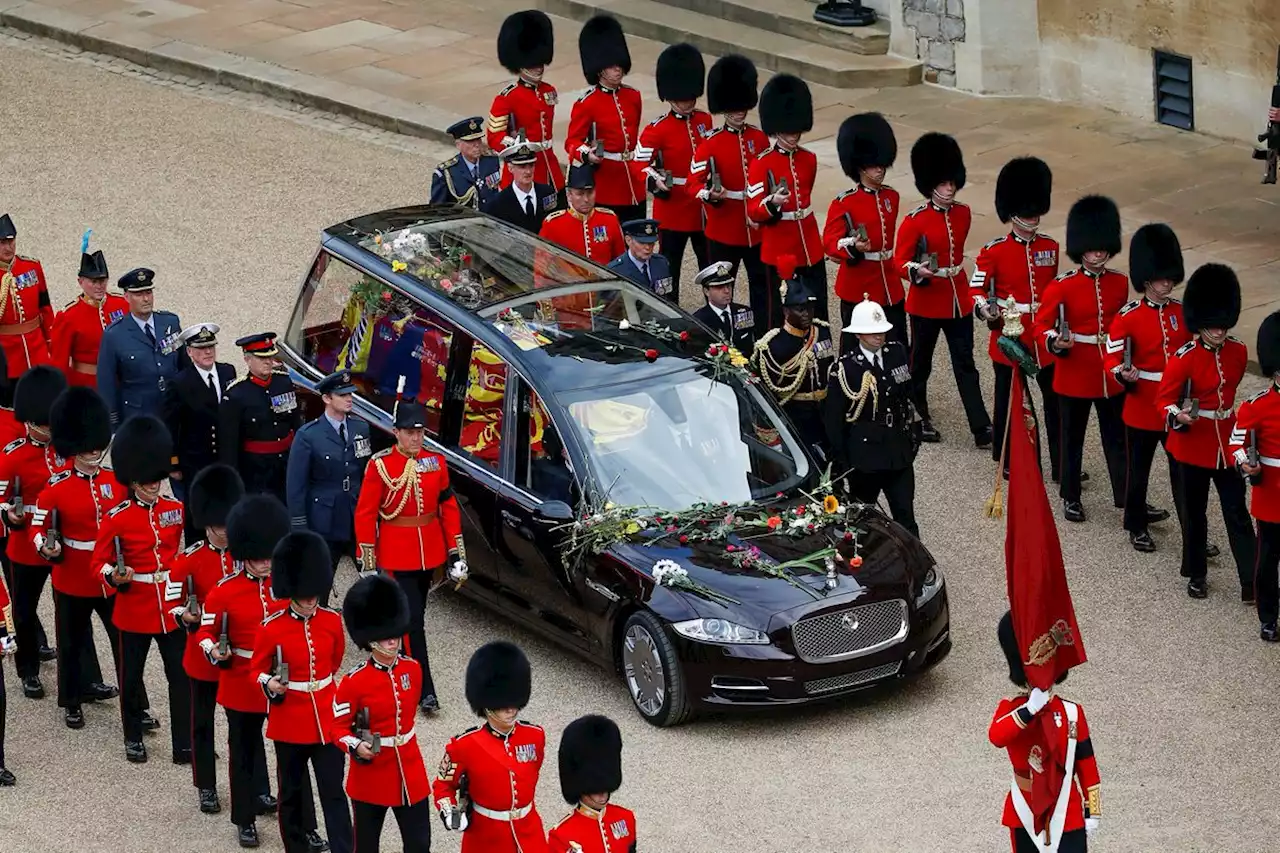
553, 512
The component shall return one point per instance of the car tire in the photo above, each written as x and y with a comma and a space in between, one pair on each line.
652, 671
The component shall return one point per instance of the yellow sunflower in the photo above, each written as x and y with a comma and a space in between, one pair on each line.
830, 505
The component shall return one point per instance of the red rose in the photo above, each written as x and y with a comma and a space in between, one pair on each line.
651, 355
855, 561
800, 510
671, 529
684, 539
466, 259
848, 537
386, 296
730, 548
809, 528
684, 336
774, 522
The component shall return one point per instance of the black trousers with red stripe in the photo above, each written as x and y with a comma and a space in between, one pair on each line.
77, 658
134, 649
1074, 414
959, 334
297, 804
247, 765
1193, 490
1266, 573
1140, 450
28, 585
414, 822
204, 698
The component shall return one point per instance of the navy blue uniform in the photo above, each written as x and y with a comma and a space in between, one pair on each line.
453, 183
323, 479
736, 327
134, 371
659, 280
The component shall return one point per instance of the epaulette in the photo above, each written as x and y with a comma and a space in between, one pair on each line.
1067, 274
507, 90
358, 667
714, 131
237, 573
821, 323
280, 371
608, 211
657, 121
1184, 349
1264, 392
1237, 340
275, 615
69, 304
1173, 301
849, 191
585, 95
58, 477
192, 548
14, 445
918, 209
1129, 306
451, 162
384, 452
531, 725
328, 610
234, 382
469, 731
767, 338
118, 508
563, 819
553, 215
997, 241
26, 258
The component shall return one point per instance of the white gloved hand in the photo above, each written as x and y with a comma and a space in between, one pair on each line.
1091, 825
1037, 700
8, 644
508, 140
846, 242
459, 572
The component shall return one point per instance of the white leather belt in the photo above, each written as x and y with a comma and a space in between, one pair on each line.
78, 544
242, 653
877, 256
950, 271
737, 195
1084, 339
1269, 461
541, 146
513, 814
150, 577
792, 215
398, 740
311, 686
1151, 375
618, 155
1023, 307
1217, 414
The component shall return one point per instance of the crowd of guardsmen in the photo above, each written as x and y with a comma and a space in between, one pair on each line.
230, 577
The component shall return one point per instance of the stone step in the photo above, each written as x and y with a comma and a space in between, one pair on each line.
815, 63
792, 18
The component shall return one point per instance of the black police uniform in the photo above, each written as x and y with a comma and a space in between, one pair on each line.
257, 422
868, 415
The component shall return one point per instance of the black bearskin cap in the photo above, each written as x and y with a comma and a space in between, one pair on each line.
732, 84
1154, 254
255, 525
786, 106
602, 45
142, 451
37, 388
590, 758
681, 73
79, 422
1023, 188
498, 676
1269, 345
375, 608
214, 491
1093, 225
865, 140
935, 159
300, 566
526, 40
1212, 298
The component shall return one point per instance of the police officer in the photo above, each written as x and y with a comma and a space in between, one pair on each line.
470, 177
326, 468
640, 262
590, 771
734, 322
191, 403
258, 418
141, 352
793, 361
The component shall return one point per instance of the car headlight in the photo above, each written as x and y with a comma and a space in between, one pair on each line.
929, 587
720, 631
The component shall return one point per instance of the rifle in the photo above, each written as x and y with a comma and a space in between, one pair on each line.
857, 232
774, 184
1189, 404
1061, 327
16, 503
597, 146
282, 672
926, 259
120, 567
224, 640
1128, 353
512, 130
52, 535
1252, 457
663, 174
361, 730
193, 605
996, 322
713, 175
1271, 153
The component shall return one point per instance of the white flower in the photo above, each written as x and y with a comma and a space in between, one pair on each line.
796, 523
668, 573
623, 325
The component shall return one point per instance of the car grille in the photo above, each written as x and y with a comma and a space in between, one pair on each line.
852, 679
856, 631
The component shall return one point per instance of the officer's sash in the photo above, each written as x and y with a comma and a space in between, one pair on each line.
1059, 817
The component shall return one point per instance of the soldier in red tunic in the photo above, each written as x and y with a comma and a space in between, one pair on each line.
1012, 272
489, 773
77, 330
200, 568
231, 618
26, 315
408, 524
299, 650
373, 719
1255, 448
583, 228
1074, 315
861, 223
929, 253
526, 45
1197, 396
719, 169
590, 771
780, 194
1055, 800
604, 124
667, 146
135, 551
1143, 337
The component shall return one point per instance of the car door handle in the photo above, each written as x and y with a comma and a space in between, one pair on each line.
510, 519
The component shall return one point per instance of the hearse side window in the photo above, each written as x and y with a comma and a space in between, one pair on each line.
541, 462
482, 409
351, 321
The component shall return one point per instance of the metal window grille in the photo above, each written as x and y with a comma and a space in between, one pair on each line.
1174, 90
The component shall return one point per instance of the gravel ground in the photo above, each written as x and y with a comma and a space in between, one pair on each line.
224, 193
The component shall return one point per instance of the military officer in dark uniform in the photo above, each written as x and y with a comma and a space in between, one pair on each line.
470, 177
258, 418
191, 403
140, 353
326, 467
734, 322
641, 262
869, 417
793, 361
523, 203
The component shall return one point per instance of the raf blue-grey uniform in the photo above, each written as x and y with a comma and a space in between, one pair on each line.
655, 275
455, 181
133, 371
324, 472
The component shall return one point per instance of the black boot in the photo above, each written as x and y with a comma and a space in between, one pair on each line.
135, 751
1142, 542
209, 803
1072, 511
248, 835
73, 717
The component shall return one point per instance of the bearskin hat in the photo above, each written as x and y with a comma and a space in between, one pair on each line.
1023, 188
526, 40
590, 758
1269, 345
1093, 225
37, 388
255, 525
498, 676
1212, 298
732, 85
300, 566
935, 159
602, 45
865, 140
214, 491
681, 73
142, 451
1009, 645
375, 608
1154, 254
786, 105
79, 422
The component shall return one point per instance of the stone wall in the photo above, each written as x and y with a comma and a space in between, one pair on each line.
935, 27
